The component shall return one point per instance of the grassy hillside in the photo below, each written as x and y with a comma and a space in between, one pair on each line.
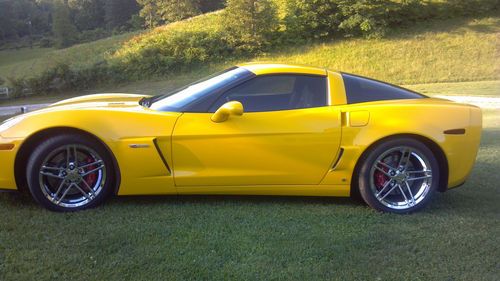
453, 50
28, 62
437, 51
15, 63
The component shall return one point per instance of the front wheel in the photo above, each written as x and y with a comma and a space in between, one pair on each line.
70, 173
398, 176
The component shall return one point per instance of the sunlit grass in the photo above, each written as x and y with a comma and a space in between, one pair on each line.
29, 62
437, 51
448, 51
476, 88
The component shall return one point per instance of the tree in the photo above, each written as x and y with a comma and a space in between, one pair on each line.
119, 12
250, 24
149, 12
206, 6
87, 14
6, 20
175, 10
62, 27
156, 12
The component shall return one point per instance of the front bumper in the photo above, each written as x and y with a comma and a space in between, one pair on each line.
8, 152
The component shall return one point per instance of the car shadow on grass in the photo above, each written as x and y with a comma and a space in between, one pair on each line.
233, 200
18, 201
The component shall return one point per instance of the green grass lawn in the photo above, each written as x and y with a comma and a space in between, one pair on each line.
263, 238
439, 51
28, 62
21, 62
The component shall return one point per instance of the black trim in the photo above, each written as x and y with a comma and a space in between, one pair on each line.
361, 89
341, 152
455, 132
8, 190
383, 82
161, 156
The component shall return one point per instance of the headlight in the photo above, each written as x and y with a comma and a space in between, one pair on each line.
9, 123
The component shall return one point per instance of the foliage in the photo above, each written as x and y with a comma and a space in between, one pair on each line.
119, 12
149, 13
45, 42
20, 18
87, 14
63, 29
158, 12
173, 47
175, 10
92, 35
247, 28
250, 24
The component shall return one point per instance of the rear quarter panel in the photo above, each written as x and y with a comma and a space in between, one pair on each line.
427, 118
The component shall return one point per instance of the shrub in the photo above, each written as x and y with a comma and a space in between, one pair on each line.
45, 42
244, 28
92, 35
250, 24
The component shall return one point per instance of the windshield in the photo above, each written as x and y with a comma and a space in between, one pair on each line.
179, 99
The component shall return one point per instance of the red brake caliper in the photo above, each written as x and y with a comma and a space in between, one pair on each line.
91, 178
380, 178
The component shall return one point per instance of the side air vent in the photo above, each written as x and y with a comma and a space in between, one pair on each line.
341, 152
161, 156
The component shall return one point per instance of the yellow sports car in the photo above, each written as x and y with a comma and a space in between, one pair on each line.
260, 129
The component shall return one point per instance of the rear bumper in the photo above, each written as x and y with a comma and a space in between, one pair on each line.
8, 152
461, 150
456, 186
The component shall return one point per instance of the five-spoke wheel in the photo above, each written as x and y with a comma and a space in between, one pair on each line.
69, 172
398, 176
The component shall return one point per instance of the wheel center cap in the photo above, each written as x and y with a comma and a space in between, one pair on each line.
400, 177
73, 176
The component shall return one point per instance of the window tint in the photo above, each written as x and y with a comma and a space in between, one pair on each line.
277, 92
196, 92
359, 89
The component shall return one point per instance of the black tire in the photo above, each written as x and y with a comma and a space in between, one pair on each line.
44, 150
367, 181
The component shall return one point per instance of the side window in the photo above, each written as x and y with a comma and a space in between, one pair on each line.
359, 89
277, 92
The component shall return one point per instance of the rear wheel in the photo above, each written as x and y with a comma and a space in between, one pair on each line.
70, 173
399, 176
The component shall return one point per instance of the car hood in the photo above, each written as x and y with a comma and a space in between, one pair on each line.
100, 100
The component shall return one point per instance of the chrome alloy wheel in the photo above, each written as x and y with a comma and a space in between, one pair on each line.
401, 178
72, 176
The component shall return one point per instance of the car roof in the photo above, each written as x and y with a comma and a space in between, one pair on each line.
262, 68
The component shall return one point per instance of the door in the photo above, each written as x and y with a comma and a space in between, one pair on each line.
288, 135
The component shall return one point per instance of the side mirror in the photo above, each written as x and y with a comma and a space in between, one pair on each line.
226, 110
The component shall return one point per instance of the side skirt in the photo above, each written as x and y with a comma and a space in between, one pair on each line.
291, 190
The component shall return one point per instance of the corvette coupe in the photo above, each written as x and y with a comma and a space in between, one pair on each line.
255, 129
